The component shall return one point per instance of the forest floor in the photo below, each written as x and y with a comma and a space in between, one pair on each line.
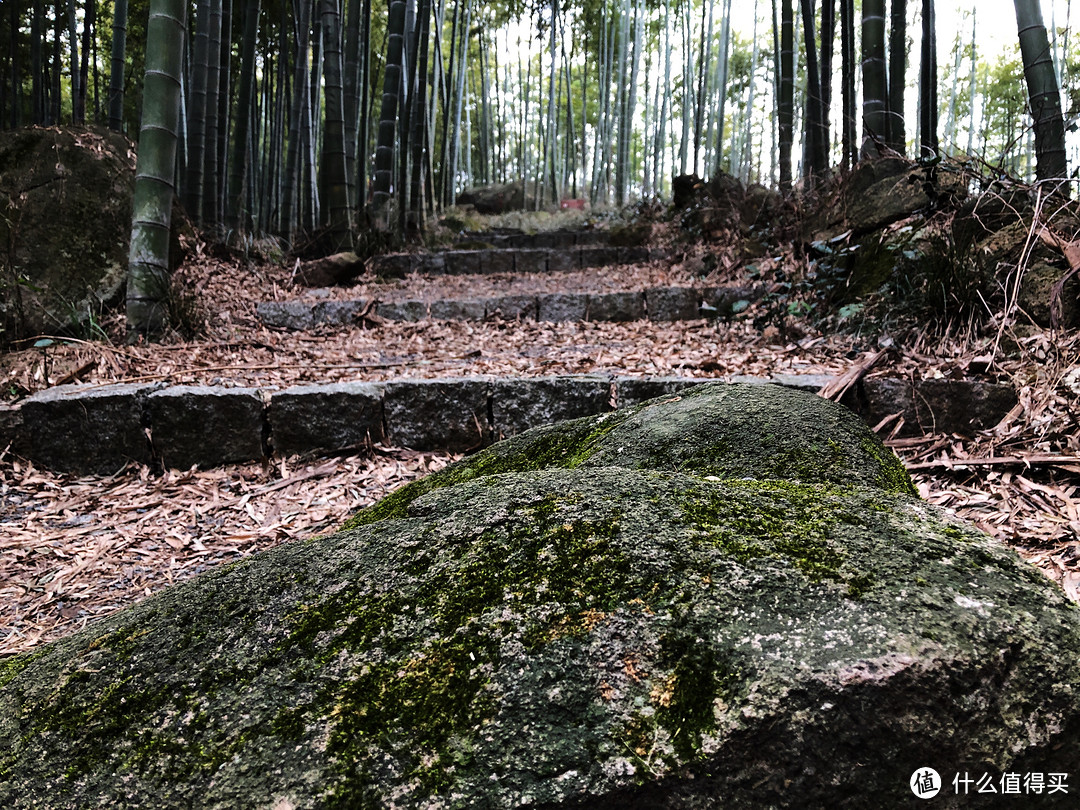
76, 548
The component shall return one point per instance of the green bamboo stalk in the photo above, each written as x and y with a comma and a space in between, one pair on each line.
148, 259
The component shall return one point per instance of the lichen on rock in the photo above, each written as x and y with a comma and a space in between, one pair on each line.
637, 610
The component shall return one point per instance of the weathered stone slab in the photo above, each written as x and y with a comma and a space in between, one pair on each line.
810, 383
441, 414
598, 256
337, 313
944, 406
636, 253
463, 262
530, 261
463, 309
512, 307
330, 270
78, 428
434, 264
497, 261
408, 311
395, 265
564, 260
563, 307
554, 239
722, 298
517, 405
961, 406
294, 315
617, 306
335, 416
672, 303
707, 600
205, 425
635, 390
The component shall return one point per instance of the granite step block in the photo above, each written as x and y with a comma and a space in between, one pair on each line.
439, 414
206, 426
81, 428
337, 313
563, 307
512, 307
517, 405
672, 303
616, 306
403, 311
292, 315
463, 309
331, 417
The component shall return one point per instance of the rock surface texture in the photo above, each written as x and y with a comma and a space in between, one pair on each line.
65, 220
727, 597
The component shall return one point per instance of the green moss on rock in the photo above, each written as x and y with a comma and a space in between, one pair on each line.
723, 430
572, 634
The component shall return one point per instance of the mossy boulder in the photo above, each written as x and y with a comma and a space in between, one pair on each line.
561, 623
65, 223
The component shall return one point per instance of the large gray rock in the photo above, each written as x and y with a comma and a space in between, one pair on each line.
643, 609
65, 222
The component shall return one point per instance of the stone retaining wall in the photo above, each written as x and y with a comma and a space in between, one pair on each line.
98, 429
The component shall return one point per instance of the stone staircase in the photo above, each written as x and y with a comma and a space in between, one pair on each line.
514, 255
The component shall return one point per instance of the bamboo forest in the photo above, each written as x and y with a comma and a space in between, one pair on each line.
335, 112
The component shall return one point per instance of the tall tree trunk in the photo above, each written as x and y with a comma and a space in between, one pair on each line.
89, 21
299, 111
334, 165
849, 137
928, 92
972, 86
116, 75
418, 137
196, 142
224, 104
77, 94
211, 214
37, 83
384, 151
238, 168
53, 111
1044, 98
13, 61
785, 111
148, 259
721, 83
897, 75
828, 37
815, 155
875, 82
363, 133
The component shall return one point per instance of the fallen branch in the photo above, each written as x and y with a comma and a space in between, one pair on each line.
835, 389
996, 461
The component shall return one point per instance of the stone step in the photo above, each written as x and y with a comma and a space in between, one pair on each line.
655, 304
509, 260
98, 429
542, 239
